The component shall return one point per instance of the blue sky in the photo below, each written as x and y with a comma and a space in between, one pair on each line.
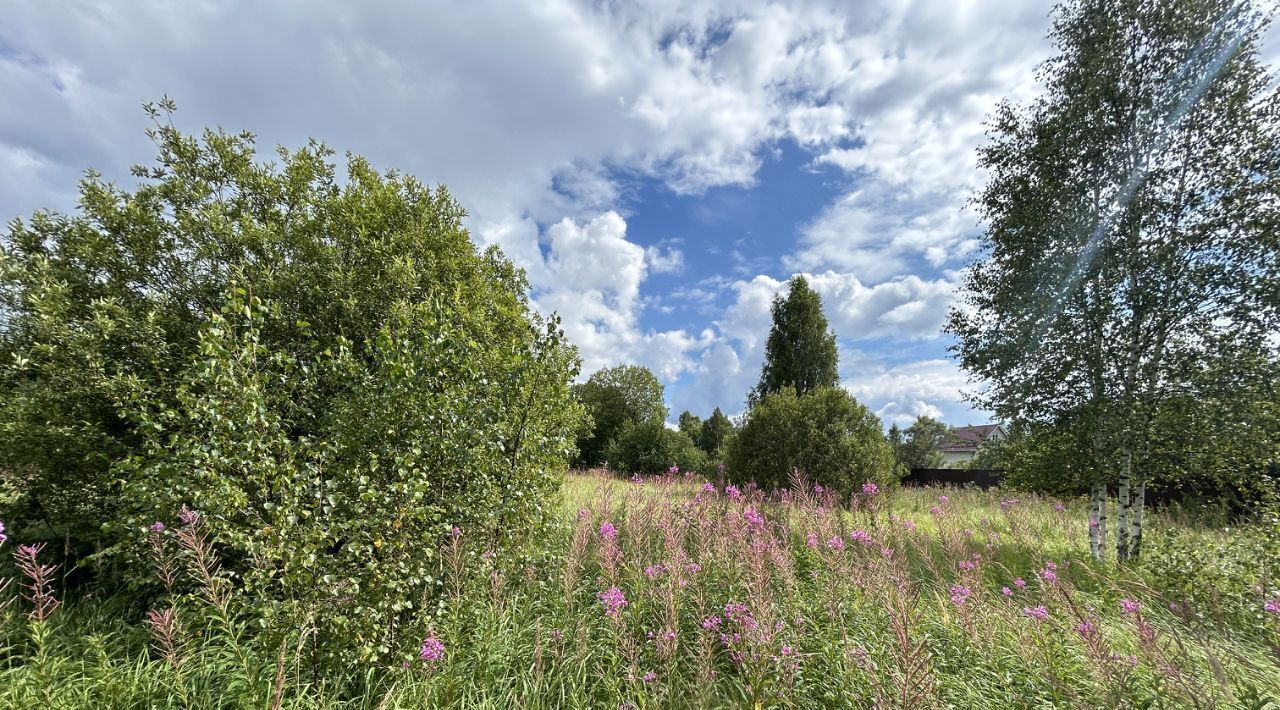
660, 169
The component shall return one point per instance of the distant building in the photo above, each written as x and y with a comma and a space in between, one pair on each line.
964, 441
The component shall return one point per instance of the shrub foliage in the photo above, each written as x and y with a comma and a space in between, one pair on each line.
323, 366
826, 435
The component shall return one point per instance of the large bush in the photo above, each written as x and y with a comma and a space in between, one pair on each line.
827, 435
322, 366
616, 398
650, 447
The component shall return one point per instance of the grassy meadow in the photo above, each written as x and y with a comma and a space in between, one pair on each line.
676, 592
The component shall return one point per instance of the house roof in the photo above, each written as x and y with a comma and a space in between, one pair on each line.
968, 438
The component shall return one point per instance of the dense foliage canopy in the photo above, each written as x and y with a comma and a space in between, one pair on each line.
320, 364
826, 436
800, 352
616, 397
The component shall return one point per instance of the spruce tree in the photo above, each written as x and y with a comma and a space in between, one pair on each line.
801, 350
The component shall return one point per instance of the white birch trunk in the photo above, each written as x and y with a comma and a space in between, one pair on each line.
1098, 521
1135, 530
1123, 506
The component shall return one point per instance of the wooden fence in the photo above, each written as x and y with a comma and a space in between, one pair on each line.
983, 478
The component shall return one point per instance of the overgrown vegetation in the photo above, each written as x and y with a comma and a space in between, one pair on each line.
673, 592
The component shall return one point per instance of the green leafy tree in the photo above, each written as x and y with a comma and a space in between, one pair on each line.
650, 447
715, 433
801, 351
690, 425
1131, 223
919, 446
616, 397
827, 436
321, 365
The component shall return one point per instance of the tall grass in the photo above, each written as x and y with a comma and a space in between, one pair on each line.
673, 592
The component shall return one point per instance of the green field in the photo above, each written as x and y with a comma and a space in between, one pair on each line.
662, 594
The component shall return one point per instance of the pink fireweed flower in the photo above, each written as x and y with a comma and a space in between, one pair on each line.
711, 623
1129, 606
188, 516
1049, 575
943, 500
835, 543
909, 525
1008, 503
709, 489
1085, 628
817, 488
886, 552
608, 531
870, 489
156, 527
811, 540
1035, 612
1006, 591
583, 513
733, 492
3, 537
432, 649
1272, 606
862, 538
692, 567
637, 479
649, 677
613, 601
935, 511
753, 518
673, 471
959, 594
1019, 583
1058, 507
654, 571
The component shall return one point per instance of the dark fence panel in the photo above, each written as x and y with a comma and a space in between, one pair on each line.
983, 478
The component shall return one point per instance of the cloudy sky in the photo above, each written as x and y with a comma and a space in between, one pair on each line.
660, 169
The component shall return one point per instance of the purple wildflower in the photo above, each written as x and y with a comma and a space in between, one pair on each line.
3, 537
432, 649
862, 538
753, 518
870, 489
733, 492
650, 676
613, 600
835, 543
1129, 606
943, 500
711, 623
709, 488
608, 531
1272, 606
156, 527
1006, 591
1019, 583
1035, 612
959, 594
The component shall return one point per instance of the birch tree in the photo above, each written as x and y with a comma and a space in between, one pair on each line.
1130, 219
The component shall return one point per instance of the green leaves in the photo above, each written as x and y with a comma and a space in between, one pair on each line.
800, 352
827, 436
325, 367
